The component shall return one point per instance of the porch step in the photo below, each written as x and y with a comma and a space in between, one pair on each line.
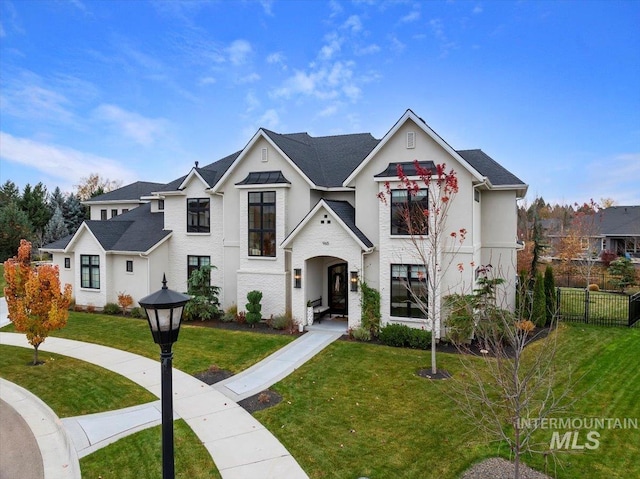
276, 367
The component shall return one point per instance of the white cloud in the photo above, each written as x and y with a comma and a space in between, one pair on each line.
59, 162
411, 17
144, 131
328, 111
32, 101
239, 51
250, 78
368, 50
270, 119
331, 48
251, 101
207, 81
353, 23
477, 9
266, 6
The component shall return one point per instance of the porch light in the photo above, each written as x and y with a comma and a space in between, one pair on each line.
297, 278
354, 281
164, 314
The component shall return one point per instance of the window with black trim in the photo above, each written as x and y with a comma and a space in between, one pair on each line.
198, 215
196, 262
103, 215
129, 266
160, 205
262, 223
408, 290
408, 212
114, 213
90, 271
67, 263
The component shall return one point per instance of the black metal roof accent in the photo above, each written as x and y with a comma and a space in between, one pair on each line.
264, 178
408, 167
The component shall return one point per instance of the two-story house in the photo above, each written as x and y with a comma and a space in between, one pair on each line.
298, 218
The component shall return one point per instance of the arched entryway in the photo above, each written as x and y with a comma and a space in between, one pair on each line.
337, 279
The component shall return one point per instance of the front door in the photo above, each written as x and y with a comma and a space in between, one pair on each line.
338, 289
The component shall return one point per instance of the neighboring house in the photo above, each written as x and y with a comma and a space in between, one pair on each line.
620, 230
298, 218
120, 201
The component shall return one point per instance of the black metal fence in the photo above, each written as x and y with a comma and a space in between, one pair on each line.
604, 280
598, 307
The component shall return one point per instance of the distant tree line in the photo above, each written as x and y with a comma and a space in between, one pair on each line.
41, 217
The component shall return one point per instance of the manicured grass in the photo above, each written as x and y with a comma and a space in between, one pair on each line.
139, 456
360, 410
197, 347
3, 283
70, 387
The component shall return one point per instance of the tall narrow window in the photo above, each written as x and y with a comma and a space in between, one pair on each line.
114, 213
160, 205
129, 266
90, 271
262, 223
67, 263
196, 262
103, 215
408, 212
408, 290
198, 215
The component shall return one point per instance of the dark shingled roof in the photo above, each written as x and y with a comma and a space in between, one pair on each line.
487, 166
347, 214
210, 173
137, 231
620, 221
326, 160
132, 192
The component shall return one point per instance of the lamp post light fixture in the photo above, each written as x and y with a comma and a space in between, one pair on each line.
164, 314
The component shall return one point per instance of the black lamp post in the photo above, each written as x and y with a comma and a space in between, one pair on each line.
164, 313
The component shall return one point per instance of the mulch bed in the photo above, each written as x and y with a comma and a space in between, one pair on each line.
261, 327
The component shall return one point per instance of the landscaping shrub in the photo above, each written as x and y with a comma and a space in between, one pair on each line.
539, 306
90, 308
360, 333
525, 325
396, 335
370, 317
254, 307
624, 272
459, 320
550, 293
282, 322
124, 301
137, 312
204, 297
241, 317
419, 339
230, 314
593, 287
111, 308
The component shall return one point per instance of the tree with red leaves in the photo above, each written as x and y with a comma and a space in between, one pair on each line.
430, 241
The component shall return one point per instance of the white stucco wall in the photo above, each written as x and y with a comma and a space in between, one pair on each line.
95, 210
86, 244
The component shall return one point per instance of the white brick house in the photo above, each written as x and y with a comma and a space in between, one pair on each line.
295, 217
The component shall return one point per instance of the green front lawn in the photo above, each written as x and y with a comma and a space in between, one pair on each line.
360, 410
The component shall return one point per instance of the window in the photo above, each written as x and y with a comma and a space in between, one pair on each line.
67, 263
103, 215
408, 289
160, 205
90, 271
476, 196
404, 203
262, 223
125, 210
196, 262
114, 213
129, 266
198, 215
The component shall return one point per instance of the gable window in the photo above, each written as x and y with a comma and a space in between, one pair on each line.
262, 223
67, 263
408, 290
198, 215
129, 266
196, 262
103, 215
114, 213
125, 210
90, 271
160, 205
407, 212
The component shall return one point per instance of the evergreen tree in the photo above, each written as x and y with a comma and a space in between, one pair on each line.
539, 305
550, 293
9, 192
74, 213
55, 228
34, 204
14, 226
56, 200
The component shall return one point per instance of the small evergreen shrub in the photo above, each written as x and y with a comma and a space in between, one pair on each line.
370, 303
396, 335
550, 293
361, 333
137, 312
230, 314
539, 306
111, 308
281, 322
419, 339
254, 308
459, 320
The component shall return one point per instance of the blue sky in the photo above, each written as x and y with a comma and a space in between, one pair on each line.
139, 90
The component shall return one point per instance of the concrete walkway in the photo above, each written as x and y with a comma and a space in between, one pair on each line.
240, 446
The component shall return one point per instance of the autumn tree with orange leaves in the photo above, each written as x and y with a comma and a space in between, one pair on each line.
36, 303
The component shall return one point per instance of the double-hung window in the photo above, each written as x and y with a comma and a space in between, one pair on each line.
409, 212
198, 215
408, 291
196, 262
262, 223
90, 271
